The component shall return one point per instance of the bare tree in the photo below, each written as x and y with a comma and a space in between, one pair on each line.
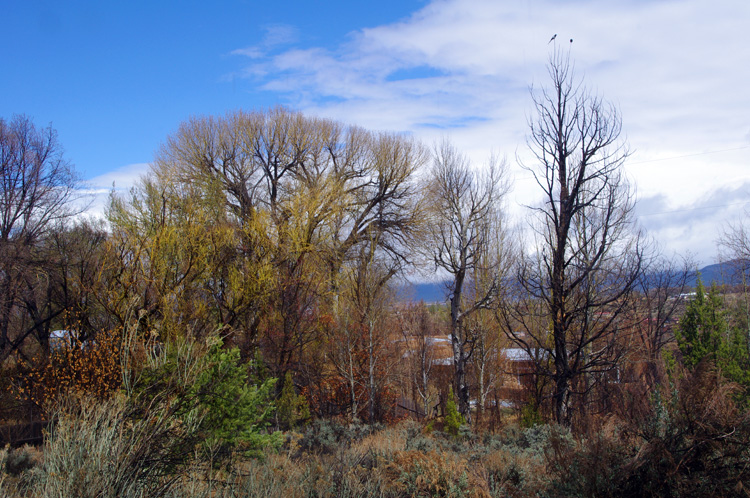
418, 331
659, 302
588, 255
37, 192
38, 183
466, 241
734, 248
360, 343
735, 241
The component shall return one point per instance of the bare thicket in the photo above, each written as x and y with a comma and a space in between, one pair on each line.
660, 302
36, 197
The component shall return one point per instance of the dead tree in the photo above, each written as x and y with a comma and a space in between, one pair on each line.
588, 254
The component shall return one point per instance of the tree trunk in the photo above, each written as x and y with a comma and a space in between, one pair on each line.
371, 374
562, 397
352, 384
460, 360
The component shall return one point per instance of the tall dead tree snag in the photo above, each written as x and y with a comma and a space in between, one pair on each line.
588, 254
466, 240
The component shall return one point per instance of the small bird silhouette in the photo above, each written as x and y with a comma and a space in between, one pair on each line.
551, 39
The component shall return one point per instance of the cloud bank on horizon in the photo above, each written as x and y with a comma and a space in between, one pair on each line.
678, 71
463, 69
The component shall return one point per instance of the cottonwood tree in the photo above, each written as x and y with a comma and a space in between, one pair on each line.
319, 188
465, 237
588, 254
250, 163
37, 194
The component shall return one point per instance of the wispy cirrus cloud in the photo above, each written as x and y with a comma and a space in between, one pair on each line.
276, 35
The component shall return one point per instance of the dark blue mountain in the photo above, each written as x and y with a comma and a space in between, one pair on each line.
429, 292
726, 273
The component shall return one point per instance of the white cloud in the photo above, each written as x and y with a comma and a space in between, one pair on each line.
97, 190
276, 35
677, 70
120, 179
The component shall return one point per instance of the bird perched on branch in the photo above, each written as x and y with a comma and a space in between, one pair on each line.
551, 39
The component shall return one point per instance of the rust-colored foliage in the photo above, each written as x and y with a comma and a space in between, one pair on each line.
331, 395
91, 367
417, 473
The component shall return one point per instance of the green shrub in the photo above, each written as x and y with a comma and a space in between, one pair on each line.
291, 408
19, 460
453, 419
530, 416
210, 392
186, 410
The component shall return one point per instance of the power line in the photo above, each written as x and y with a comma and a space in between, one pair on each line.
689, 155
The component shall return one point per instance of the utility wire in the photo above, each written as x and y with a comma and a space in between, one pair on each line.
689, 155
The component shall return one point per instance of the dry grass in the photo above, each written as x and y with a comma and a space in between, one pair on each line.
88, 456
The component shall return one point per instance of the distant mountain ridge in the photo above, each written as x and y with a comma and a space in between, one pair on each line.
728, 272
720, 273
429, 292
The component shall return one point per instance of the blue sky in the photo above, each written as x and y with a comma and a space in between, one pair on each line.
115, 78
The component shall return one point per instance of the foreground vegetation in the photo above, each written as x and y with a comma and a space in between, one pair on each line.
691, 441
